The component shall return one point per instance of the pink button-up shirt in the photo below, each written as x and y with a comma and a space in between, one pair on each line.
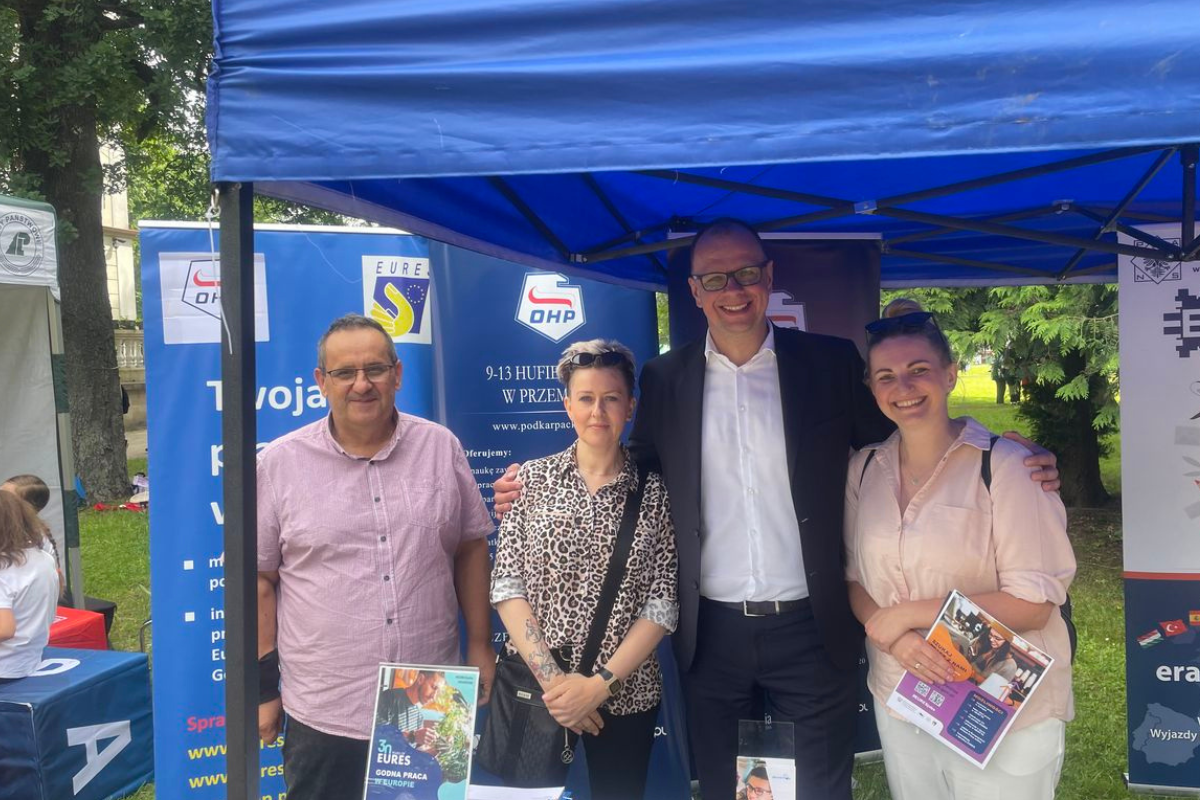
365, 550
955, 535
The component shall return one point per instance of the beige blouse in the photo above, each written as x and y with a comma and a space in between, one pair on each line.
955, 535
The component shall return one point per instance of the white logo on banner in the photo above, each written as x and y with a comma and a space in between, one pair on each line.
550, 305
54, 666
191, 298
97, 759
396, 295
785, 311
1155, 270
22, 245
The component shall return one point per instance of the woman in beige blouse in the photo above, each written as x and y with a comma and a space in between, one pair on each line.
920, 522
550, 564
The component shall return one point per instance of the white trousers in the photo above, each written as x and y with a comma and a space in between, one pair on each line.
1027, 765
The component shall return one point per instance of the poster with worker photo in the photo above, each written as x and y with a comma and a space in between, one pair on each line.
995, 673
424, 730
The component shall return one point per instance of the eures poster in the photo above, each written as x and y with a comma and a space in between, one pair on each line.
424, 729
995, 674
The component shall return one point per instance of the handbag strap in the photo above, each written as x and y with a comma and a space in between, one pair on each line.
615, 574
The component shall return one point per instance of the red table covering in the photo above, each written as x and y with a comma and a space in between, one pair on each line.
74, 627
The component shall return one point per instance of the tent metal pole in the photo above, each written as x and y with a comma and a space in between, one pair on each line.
238, 434
533, 219
66, 456
979, 226
1188, 157
1016, 175
1129, 230
1031, 213
589, 180
962, 262
749, 188
1116, 213
632, 236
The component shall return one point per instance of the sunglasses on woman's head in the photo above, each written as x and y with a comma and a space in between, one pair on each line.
905, 323
609, 358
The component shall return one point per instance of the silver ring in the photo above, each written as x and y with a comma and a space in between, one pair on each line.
918, 665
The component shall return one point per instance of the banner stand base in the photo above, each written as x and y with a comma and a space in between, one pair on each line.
1164, 791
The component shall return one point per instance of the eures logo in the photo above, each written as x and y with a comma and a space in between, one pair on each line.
395, 294
202, 287
21, 244
550, 305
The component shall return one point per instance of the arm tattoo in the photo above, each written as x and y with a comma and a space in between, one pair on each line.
540, 661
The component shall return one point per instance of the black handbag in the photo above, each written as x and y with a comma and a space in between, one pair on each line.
521, 743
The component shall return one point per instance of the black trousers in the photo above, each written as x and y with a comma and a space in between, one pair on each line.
322, 766
617, 759
738, 657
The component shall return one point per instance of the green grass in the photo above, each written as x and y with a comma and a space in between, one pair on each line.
975, 396
116, 567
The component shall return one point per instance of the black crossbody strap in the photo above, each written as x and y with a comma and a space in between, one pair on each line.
615, 574
867, 463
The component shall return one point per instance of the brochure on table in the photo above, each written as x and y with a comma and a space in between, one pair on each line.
766, 760
995, 674
421, 743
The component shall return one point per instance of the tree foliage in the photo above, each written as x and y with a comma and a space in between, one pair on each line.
81, 72
167, 177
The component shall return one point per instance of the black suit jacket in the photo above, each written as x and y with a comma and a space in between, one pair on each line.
827, 409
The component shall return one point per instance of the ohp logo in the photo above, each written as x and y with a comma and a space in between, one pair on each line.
202, 288
550, 305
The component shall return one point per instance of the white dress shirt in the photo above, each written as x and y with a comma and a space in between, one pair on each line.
750, 542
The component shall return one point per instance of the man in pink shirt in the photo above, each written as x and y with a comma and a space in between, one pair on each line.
371, 537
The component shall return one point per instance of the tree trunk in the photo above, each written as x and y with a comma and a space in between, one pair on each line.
72, 181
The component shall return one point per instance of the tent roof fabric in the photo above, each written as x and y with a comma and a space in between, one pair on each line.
520, 128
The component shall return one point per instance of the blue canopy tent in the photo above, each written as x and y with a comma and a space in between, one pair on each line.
987, 143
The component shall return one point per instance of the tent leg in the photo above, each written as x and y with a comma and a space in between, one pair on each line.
72, 563
1188, 156
238, 429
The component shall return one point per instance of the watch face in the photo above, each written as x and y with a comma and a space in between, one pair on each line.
615, 686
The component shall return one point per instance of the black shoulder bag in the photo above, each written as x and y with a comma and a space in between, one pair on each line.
521, 742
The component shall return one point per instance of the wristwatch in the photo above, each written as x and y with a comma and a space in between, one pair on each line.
613, 683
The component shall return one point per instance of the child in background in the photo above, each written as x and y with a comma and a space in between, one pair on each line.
28, 588
30, 488
33, 490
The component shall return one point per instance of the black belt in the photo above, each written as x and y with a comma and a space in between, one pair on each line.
762, 608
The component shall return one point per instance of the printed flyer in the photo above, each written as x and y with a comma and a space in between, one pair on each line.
995, 673
424, 726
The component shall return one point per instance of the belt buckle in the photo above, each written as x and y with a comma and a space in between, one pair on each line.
746, 610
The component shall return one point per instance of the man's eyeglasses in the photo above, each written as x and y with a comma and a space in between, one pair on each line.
376, 373
743, 276
609, 358
905, 323
758, 791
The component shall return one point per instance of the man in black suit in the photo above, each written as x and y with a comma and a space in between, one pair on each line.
752, 429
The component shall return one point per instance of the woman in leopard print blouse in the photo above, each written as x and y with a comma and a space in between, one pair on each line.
550, 563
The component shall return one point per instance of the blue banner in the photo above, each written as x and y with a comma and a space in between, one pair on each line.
500, 329
1162, 678
305, 277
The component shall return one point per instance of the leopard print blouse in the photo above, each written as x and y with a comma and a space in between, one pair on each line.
554, 547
